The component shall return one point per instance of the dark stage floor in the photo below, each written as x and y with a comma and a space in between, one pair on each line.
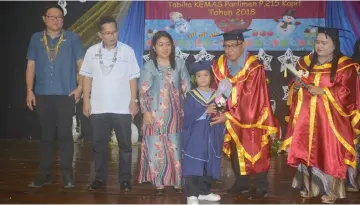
19, 162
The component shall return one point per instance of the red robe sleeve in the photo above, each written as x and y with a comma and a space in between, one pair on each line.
344, 94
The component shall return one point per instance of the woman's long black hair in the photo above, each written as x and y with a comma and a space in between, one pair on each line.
334, 63
153, 54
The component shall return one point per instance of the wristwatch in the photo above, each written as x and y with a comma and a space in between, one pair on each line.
135, 100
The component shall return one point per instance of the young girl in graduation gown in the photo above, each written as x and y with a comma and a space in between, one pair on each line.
202, 143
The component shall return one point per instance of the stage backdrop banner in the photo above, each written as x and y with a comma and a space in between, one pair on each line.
276, 25
281, 33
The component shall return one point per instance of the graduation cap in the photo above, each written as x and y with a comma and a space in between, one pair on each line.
199, 66
333, 32
236, 34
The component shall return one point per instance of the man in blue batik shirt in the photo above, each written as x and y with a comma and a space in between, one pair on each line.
54, 58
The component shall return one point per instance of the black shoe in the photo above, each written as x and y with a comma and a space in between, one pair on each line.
40, 181
95, 185
68, 181
125, 187
160, 192
234, 190
257, 195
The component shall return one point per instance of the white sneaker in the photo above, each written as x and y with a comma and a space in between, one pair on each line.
192, 200
210, 197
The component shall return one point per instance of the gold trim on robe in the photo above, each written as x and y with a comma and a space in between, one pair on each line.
220, 71
328, 99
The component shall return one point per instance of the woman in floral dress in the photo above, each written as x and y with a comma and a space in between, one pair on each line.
163, 82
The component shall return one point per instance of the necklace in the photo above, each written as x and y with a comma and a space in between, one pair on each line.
52, 52
106, 70
325, 62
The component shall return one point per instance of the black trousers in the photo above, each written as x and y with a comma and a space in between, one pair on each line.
243, 181
102, 125
81, 119
55, 114
86, 128
197, 185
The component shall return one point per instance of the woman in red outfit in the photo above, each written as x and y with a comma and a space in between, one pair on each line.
324, 121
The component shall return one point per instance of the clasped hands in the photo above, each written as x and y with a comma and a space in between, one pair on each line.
211, 109
313, 90
218, 118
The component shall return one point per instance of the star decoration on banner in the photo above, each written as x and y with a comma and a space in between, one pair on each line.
180, 54
146, 57
203, 55
286, 92
273, 105
62, 4
287, 58
265, 58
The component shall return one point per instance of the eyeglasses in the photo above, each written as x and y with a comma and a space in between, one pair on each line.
232, 46
58, 18
109, 33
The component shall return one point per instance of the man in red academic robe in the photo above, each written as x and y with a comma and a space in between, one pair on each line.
249, 118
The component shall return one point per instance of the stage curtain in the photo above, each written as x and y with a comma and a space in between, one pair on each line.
87, 26
352, 9
340, 15
132, 30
